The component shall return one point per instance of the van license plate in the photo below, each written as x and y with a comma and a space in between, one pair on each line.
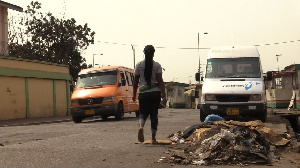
233, 111
90, 112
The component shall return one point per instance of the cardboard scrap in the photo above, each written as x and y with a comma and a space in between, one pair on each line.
160, 142
272, 136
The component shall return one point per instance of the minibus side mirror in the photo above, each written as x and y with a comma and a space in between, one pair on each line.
269, 75
201, 78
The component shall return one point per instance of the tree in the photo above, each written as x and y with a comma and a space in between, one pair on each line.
44, 37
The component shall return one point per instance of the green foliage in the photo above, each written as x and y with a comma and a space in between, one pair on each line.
50, 39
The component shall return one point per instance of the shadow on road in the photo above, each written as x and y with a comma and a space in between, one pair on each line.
110, 119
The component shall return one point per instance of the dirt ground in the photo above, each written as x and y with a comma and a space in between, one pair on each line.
289, 155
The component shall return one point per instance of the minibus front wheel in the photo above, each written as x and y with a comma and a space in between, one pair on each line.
77, 119
202, 115
104, 117
120, 111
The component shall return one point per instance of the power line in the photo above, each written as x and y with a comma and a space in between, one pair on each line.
196, 48
191, 73
292, 41
182, 48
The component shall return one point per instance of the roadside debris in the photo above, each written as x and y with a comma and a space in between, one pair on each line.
225, 142
213, 117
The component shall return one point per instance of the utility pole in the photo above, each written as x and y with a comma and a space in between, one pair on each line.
94, 60
199, 56
199, 70
277, 55
133, 49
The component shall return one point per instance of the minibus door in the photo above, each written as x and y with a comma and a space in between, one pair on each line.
126, 96
131, 105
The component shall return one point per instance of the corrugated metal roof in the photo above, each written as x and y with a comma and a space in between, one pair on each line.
11, 6
176, 83
35, 61
292, 67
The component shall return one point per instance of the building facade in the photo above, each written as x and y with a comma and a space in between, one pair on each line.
4, 6
31, 89
28, 88
283, 90
175, 94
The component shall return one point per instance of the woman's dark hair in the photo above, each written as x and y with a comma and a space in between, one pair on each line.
149, 53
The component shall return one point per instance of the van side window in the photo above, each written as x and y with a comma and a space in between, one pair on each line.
129, 79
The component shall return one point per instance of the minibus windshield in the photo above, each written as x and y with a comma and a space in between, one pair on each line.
97, 78
248, 67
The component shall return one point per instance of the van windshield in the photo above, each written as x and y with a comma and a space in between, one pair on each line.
233, 68
97, 78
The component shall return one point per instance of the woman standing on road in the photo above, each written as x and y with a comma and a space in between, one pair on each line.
148, 76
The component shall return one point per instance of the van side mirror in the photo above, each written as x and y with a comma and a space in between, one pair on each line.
269, 75
197, 76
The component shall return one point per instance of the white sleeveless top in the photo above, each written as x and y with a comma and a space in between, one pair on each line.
139, 70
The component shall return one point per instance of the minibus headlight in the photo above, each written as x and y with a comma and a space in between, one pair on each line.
210, 97
74, 102
255, 97
108, 99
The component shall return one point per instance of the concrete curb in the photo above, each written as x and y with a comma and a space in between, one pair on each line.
34, 121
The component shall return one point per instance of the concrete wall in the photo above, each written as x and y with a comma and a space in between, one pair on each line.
31, 89
190, 99
12, 99
177, 99
40, 94
61, 98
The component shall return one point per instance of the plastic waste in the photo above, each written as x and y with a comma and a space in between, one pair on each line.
213, 117
200, 162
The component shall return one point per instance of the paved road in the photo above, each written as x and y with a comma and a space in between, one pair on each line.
93, 143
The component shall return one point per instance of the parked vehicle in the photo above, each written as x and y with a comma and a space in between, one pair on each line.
233, 85
105, 91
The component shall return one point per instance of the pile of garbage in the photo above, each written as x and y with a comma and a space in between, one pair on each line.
224, 142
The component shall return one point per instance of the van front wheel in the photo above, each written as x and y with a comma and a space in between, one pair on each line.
263, 116
202, 115
120, 112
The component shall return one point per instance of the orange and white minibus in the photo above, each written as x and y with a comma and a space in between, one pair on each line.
105, 91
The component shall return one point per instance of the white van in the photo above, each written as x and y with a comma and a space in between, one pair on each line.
233, 85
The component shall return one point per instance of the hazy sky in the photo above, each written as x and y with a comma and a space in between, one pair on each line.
175, 24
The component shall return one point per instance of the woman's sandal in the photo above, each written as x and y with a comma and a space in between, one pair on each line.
154, 142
